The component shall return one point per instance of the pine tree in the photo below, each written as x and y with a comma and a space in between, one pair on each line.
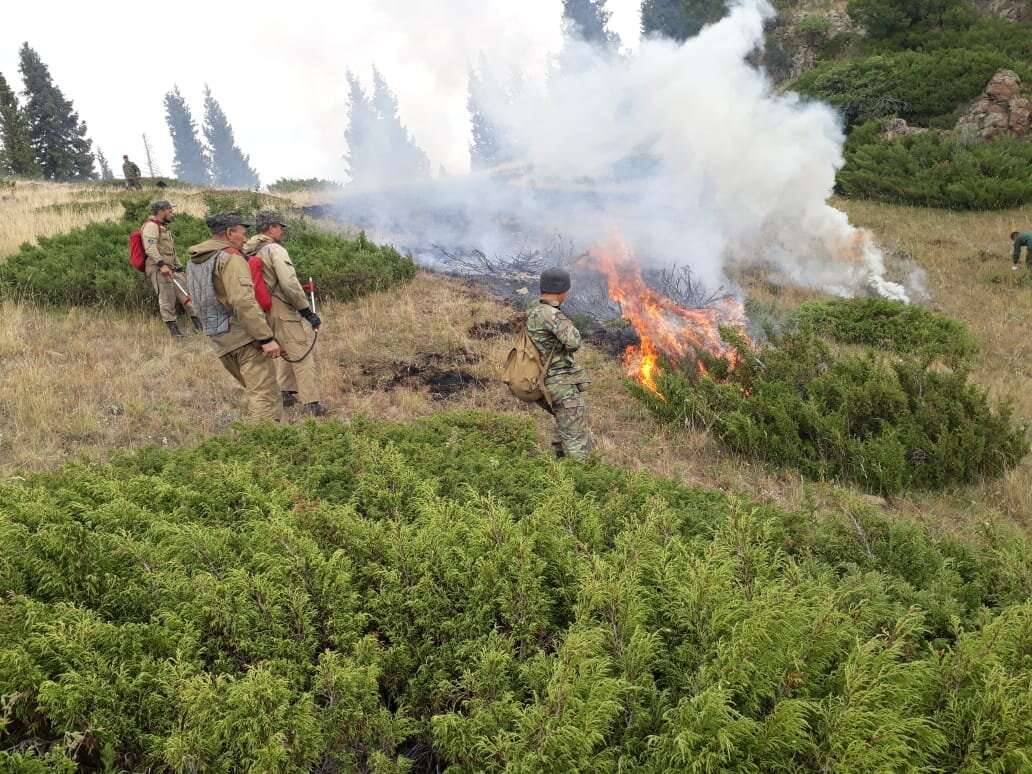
57, 136
588, 20
190, 162
360, 133
679, 19
229, 165
380, 149
490, 145
404, 160
15, 150
105, 168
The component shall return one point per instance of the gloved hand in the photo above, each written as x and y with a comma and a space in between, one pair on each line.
312, 317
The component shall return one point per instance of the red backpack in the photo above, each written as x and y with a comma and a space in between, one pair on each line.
137, 255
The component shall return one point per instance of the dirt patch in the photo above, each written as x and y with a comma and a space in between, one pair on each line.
441, 373
493, 329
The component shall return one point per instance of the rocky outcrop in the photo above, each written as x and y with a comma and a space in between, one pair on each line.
894, 128
1003, 110
1012, 10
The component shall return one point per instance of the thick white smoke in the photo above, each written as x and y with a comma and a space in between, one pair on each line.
686, 151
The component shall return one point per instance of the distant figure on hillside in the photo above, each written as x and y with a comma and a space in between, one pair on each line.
222, 290
289, 305
163, 264
1022, 239
557, 339
132, 173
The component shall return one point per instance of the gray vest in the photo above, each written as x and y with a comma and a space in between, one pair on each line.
200, 282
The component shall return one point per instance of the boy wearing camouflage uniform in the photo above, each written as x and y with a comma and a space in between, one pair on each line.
223, 293
289, 306
557, 339
162, 265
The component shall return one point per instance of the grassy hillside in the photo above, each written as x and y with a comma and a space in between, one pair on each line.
434, 596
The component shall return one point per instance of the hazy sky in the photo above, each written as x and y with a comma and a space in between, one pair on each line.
278, 68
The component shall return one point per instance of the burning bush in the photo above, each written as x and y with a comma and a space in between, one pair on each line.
437, 596
88, 265
886, 424
907, 329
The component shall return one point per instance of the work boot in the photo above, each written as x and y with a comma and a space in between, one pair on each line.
289, 398
315, 409
173, 329
198, 328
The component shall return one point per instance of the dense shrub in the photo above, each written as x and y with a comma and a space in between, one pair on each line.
892, 326
914, 85
888, 425
935, 170
437, 596
89, 265
286, 185
894, 18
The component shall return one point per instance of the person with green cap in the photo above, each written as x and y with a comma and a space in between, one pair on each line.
557, 339
289, 308
222, 290
163, 264
1022, 239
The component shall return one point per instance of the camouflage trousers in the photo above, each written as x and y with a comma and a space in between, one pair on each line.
569, 409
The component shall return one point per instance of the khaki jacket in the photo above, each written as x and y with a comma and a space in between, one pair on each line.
234, 289
278, 272
159, 245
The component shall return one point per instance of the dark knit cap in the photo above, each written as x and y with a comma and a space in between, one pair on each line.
555, 280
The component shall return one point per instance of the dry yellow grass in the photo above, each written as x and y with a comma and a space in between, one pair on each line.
86, 383
34, 209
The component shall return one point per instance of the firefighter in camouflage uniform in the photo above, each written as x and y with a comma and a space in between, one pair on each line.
557, 339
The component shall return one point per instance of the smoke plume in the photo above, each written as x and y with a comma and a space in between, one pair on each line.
686, 151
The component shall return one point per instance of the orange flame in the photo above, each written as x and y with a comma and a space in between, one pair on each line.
664, 327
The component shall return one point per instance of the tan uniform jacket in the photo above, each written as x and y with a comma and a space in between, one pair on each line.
278, 271
234, 289
159, 245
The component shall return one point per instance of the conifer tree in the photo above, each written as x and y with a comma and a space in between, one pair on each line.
484, 152
229, 165
588, 20
105, 168
404, 160
679, 19
190, 162
15, 150
58, 138
380, 149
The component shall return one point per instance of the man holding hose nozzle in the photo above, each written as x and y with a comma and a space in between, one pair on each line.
222, 290
163, 264
289, 305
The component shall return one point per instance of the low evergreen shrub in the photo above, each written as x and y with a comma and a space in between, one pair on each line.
438, 596
935, 170
88, 265
891, 326
887, 425
287, 185
915, 85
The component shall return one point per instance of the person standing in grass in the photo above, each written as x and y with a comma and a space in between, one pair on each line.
557, 339
1022, 239
163, 264
222, 290
289, 308
132, 173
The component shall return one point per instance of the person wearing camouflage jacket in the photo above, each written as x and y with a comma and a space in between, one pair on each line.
289, 307
557, 339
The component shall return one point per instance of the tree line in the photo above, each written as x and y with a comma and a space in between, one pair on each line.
42, 136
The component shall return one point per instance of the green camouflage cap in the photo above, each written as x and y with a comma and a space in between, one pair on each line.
267, 218
224, 221
160, 204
